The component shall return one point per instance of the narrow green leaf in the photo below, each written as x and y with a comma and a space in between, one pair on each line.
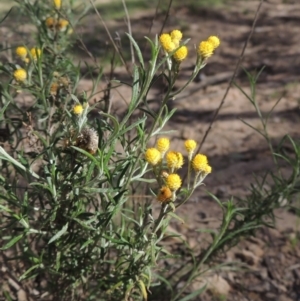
28, 271
194, 294
12, 242
3, 110
135, 88
59, 233
137, 49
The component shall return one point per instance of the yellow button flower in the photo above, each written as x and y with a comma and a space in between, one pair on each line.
190, 145
207, 169
199, 163
62, 24
35, 53
214, 40
166, 42
180, 54
21, 52
57, 4
173, 181
20, 75
152, 156
78, 109
174, 160
176, 35
206, 49
164, 194
163, 145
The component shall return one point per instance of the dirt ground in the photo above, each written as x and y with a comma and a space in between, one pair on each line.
235, 151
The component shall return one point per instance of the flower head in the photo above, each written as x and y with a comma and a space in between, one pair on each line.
78, 109
206, 49
190, 146
174, 160
199, 163
62, 24
152, 156
20, 75
214, 40
88, 140
173, 181
164, 194
57, 4
207, 169
166, 42
176, 35
54, 89
180, 54
50, 22
35, 53
21, 52
163, 145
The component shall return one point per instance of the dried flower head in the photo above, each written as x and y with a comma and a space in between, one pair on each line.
21, 52
176, 35
173, 181
57, 4
174, 160
164, 174
206, 49
35, 53
199, 163
20, 75
166, 42
180, 54
78, 109
163, 145
88, 140
54, 89
64, 81
214, 40
50, 23
62, 24
152, 156
164, 195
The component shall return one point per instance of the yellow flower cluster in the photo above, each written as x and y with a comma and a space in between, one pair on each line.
174, 160
173, 181
152, 156
22, 53
169, 180
35, 53
190, 146
57, 4
170, 42
200, 164
207, 48
163, 145
20, 75
78, 109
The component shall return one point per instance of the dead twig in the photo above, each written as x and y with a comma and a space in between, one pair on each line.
232, 77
